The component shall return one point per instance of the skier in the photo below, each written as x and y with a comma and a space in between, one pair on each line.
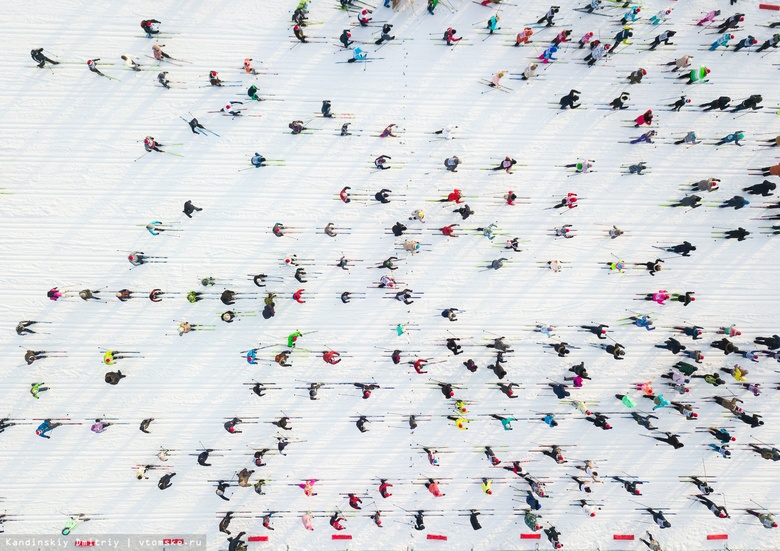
380, 161
230, 426
524, 36
364, 19
35, 388
671, 439
747, 42
561, 37
552, 536
681, 63
38, 56
162, 79
635, 77
297, 127
42, 429
345, 38
23, 327
547, 55
717, 510
530, 71
569, 201
433, 487
767, 519
731, 22
158, 53
385, 34
419, 518
165, 481
549, 17
235, 543
621, 36
569, 100
749, 103
505, 165
772, 454
680, 103
150, 27
659, 518
72, 523
651, 543
492, 24
298, 32
773, 42
664, 37
734, 137
697, 75
100, 426
645, 118
113, 377
151, 145
620, 101
92, 65
708, 18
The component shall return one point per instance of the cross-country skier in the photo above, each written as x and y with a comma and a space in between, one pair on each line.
158, 53
150, 27
570, 99
41, 59
717, 510
345, 38
549, 17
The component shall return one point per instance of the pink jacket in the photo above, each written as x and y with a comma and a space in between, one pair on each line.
660, 297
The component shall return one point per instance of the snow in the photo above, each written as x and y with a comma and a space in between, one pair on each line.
79, 198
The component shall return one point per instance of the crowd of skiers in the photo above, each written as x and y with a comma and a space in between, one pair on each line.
677, 380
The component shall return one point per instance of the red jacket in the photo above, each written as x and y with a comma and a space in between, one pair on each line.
297, 296
331, 357
383, 490
455, 196
448, 230
645, 118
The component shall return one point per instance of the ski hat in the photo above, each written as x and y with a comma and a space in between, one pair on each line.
643, 72
607, 47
